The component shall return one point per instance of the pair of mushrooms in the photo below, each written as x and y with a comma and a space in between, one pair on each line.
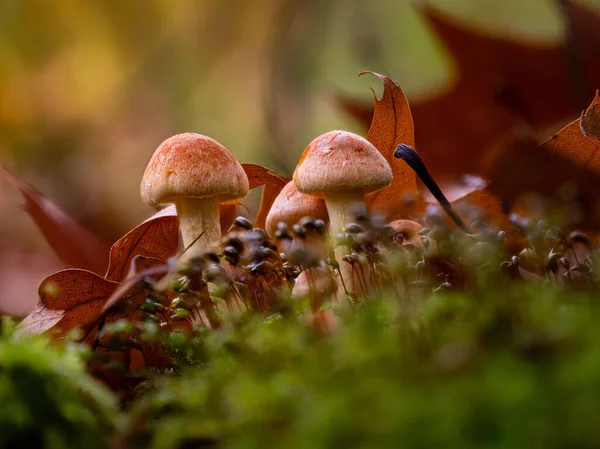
196, 173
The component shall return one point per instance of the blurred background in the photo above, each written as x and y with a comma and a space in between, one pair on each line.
89, 89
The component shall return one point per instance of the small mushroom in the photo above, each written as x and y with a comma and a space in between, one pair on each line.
342, 168
315, 283
318, 285
196, 173
290, 207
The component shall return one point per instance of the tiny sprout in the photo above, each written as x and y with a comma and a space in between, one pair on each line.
350, 258
176, 302
424, 231
299, 231
444, 286
320, 226
147, 307
231, 255
362, 259
332, 263
149, 318
283, 235
182, 313
243, 222
147, 283
501, 237
579, 237
552, 260
234, 241
354, 228
180, 284
211, 256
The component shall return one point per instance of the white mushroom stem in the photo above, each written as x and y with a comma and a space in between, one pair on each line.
343, 207
199, 222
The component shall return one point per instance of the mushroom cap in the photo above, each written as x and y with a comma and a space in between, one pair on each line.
316, 283
194, 166
341, 160
291, 206
406, 231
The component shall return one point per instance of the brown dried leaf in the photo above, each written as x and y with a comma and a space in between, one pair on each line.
155, 238
259, 175
392, 125
273, 183
74, 245
39, 320
589, 121
79, 294
500, 83
569, 160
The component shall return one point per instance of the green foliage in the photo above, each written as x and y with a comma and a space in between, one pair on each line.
512, 367
48, 400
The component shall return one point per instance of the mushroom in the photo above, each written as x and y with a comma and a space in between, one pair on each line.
290, 207
195, 173
317, 284
406, 232
342, 167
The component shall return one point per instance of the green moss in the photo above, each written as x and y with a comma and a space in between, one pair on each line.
519, 367
47, 399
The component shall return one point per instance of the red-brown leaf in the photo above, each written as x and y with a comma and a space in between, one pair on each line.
569, 158
392, 125
259, 175
74, 245
273, 183
499, 83
157, 238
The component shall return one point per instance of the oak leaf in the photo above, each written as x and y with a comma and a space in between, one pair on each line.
392, 125
567, 162
500, 83
74, 245
272, 181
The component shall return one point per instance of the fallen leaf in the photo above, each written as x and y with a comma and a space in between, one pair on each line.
75, 298
74, 245
499, 84
229, 212
79, 294
267, 198
39, 320
566, 166
156, 238
590, 119
472, 200
392, 125
259, 175
272, 181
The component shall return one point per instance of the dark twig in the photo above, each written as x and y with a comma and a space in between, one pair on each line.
414, 161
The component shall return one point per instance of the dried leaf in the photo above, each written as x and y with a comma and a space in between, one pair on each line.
590, 119
472, 200
39, 320
499, 84
392, 125
268, 196
79, 294
568, 160
259, 175
229, 212
74, 245
273, 183
156, 238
